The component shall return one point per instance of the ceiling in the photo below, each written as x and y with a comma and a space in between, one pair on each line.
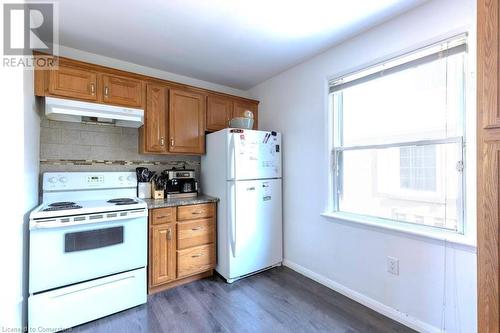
237, 43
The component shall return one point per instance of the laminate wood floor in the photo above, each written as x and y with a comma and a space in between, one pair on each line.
277, 300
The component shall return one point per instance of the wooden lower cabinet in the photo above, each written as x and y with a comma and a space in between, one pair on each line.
181, 245
195, 260
162, 265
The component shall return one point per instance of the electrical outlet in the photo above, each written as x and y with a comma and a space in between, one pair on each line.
393, 265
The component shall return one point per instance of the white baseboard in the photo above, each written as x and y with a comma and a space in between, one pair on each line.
381, 308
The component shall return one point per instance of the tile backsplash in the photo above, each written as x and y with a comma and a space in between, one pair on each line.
66, 146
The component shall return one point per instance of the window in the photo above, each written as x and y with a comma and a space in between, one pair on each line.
417, 168
398, 139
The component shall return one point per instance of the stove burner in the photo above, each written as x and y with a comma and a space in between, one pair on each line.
123, 201
60, 207
62, 203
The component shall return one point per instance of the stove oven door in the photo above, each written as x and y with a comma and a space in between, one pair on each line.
67, 254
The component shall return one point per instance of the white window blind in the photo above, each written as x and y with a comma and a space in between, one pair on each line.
398, 138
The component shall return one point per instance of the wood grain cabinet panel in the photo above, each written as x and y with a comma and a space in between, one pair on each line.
219, 112
195, 260
488, 61
156, 119
120, 90
192, 212
186, 122
176, 115
194, 233
73, 82
163, 215
181, 245
162, 259
240, 107
488, 164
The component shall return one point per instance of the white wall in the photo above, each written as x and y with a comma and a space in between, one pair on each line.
31, 156
128, 66
20, 137
351, 257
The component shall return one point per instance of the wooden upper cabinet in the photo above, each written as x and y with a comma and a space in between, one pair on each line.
239, 108
163, 258
219, 112
73, 83
155, 120
186, 122
122, 90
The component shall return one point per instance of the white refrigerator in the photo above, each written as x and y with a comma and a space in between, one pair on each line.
243, 169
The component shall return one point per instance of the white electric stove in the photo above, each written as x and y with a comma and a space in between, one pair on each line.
88, 249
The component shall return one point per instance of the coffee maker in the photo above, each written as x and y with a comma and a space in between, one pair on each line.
181, 183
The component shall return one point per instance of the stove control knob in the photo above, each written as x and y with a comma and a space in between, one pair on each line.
130, 178
52, 180
63, 179
121, 178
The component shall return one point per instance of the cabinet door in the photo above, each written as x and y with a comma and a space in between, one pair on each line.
155, 120
239, 109
121, 90
73, 82
219, 111
186, 122
162, 256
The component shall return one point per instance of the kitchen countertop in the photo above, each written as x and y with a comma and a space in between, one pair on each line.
161, 203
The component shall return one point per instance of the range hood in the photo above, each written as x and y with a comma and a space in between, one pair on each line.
76, 111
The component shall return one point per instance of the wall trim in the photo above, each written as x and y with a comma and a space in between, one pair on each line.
371, 303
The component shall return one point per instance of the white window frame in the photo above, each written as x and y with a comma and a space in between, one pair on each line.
336, 131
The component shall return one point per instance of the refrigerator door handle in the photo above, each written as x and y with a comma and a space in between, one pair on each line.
232, 158
232, 217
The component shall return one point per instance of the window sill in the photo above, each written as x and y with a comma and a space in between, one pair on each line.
450, 237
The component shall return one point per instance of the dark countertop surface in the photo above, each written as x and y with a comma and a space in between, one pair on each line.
161, 203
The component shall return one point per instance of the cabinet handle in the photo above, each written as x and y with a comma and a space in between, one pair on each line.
172, 142
197, 228
169, 234
162, 141
197, 255
162, 217
92, 89
106, 91
198, 212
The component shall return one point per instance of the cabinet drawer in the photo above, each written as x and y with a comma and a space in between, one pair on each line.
162, 215
195, 211
196, 232
195, 260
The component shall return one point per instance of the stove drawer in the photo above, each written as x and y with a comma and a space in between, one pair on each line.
195, 260
79, 303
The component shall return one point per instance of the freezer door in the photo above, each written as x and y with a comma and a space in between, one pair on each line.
255, 227
254, 155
